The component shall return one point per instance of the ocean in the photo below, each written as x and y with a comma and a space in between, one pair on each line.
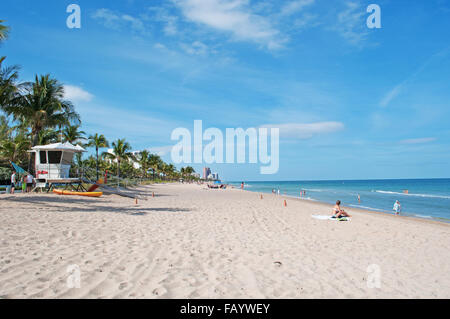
426, 198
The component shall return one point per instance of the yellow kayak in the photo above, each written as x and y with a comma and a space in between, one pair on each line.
88, 194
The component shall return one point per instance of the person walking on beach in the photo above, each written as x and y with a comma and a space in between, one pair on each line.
13, 181
29, 180
242, 185
397, 207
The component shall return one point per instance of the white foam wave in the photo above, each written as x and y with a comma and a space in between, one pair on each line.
414, 195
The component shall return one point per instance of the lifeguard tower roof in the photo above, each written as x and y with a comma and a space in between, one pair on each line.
59, 147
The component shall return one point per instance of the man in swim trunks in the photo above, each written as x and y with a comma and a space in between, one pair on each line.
338, 212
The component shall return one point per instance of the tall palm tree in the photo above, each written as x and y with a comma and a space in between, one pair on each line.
72, 134
143, 159
154, 163
98, 141
121, 151
4, 31
43, 106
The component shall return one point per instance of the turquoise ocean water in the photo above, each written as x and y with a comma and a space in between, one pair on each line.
427, 198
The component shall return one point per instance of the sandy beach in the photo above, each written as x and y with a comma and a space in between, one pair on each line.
191, 242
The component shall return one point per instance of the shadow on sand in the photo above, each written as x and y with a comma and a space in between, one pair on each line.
86, 205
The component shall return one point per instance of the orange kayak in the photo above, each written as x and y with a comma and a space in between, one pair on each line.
88, 194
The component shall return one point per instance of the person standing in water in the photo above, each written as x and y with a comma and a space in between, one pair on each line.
359, 198
397, 208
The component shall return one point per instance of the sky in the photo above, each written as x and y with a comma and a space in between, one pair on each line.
351, 102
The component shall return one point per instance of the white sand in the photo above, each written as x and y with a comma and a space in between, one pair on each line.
190, 242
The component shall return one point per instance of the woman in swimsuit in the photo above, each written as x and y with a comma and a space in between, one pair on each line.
338, 212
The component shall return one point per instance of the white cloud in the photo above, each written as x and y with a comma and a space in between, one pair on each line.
77, 94
293, 7
306, 130
419, 140
160, 151
196, 48
234, 17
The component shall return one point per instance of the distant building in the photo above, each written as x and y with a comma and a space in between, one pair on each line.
206, 172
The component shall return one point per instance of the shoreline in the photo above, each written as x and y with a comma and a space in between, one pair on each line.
385, 213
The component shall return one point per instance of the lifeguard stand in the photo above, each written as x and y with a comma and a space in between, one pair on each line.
52, 164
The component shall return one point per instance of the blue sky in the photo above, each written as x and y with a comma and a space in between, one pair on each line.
378, 99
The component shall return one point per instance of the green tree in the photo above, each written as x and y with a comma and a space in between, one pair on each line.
14, 149
73, 135
4, 31
143, 159
43, 106
98, 141
47, 136
9, 86
154, 164
121, 151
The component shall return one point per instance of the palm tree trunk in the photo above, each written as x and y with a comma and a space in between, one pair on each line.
96, 149
118, 172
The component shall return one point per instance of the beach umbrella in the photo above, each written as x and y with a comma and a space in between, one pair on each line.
18, 169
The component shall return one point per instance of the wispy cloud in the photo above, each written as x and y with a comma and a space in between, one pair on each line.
295, 6
76, 94
233, 17
306, 131
351, 23
117, 21
418, 140
394, 92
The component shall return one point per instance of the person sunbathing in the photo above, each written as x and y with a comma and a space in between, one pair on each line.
338, 212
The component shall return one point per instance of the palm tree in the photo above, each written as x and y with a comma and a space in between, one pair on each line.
72, 134
4, 31
97, 141
154, 163
121, 152
43, 106
9, 88
14, 150
144, 161
47, 136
